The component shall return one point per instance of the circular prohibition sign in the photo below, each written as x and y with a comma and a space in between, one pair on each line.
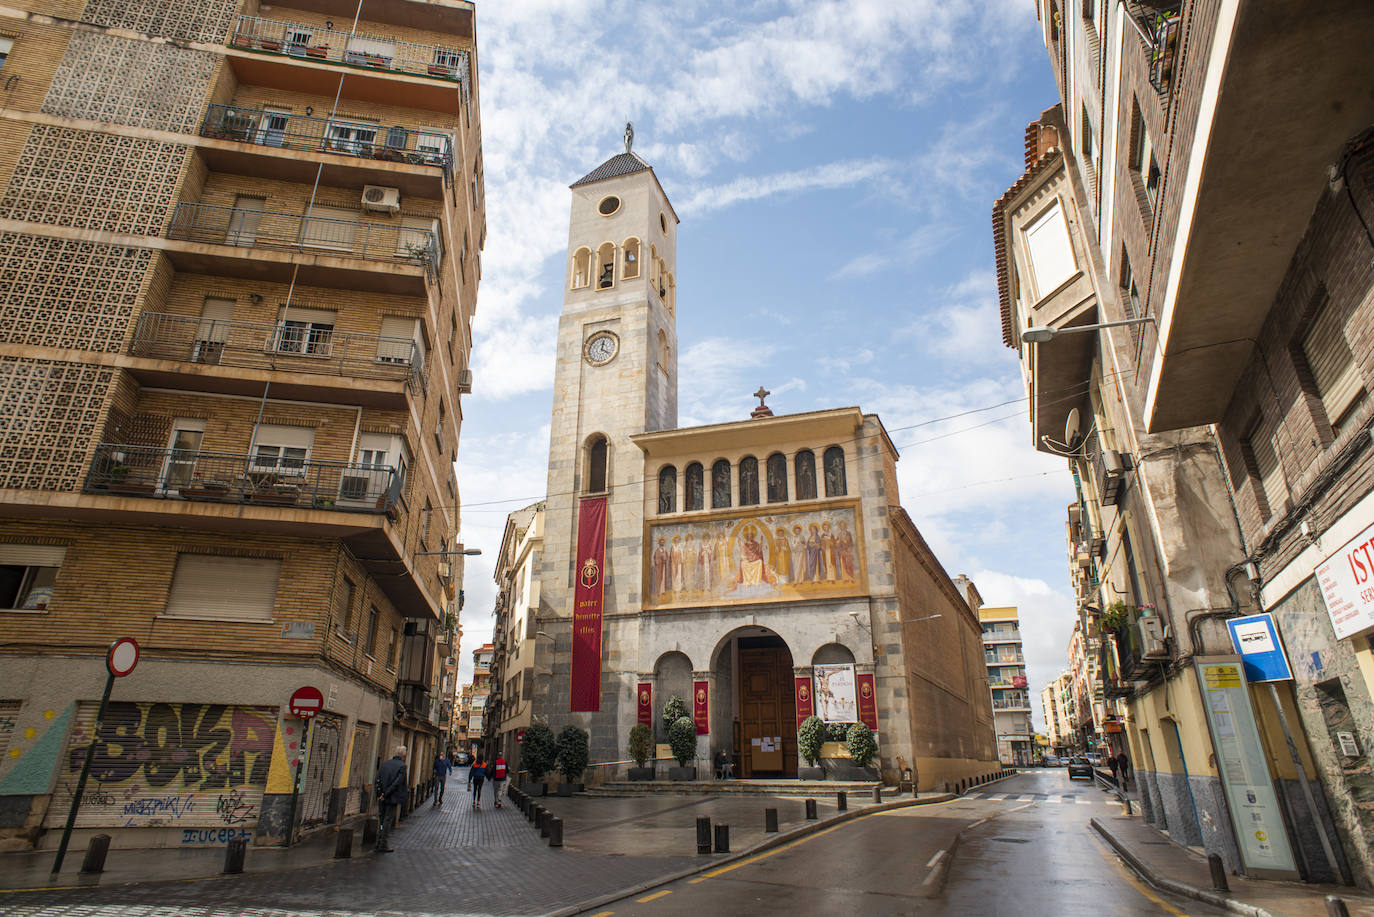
122, 656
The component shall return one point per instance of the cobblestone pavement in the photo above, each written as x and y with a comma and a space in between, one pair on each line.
448, 861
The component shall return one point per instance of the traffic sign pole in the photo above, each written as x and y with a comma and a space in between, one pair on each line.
120, 660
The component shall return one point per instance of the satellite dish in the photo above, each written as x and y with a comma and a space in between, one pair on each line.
1072, 429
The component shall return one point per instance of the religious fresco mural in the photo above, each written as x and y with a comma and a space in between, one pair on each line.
752, 556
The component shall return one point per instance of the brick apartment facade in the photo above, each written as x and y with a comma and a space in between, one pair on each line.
1207, 172
239, 278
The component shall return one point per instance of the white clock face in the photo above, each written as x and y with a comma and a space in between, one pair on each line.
601, 348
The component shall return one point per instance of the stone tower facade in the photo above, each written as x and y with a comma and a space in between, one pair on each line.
616, 377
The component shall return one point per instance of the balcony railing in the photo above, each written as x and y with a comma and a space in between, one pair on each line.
294, 232
259, 345
364, 140
1157, 22
373, 52
1002, 636
217, 477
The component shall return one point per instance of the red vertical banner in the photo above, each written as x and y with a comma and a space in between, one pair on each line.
866, 688
806, 704
646, 704
588, 595
701, 710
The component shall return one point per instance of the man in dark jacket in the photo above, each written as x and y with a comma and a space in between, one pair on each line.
440, 777
391, 792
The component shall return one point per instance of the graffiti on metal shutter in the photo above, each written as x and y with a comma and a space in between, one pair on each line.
168, 764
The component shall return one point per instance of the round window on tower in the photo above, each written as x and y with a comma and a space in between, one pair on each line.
608, 205
662, 222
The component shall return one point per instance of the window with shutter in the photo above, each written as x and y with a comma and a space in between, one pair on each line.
1051, 253
1334, 371
1263, 457
397, 341
331, 227
223, 588
28, 575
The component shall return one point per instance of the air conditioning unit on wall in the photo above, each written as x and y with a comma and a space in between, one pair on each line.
465, 382
385, 200
1151, 632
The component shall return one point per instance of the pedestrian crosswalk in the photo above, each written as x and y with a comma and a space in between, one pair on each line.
1067, 799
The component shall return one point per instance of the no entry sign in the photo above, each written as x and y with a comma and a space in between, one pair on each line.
306, 702
122, 656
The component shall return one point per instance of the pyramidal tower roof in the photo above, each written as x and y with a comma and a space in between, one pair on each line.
619, 164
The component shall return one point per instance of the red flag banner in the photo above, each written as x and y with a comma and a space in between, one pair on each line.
646, 704
588, 595
868, 701
701, 712
806, 703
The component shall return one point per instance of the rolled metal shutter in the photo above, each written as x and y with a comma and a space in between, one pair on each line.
1333, 365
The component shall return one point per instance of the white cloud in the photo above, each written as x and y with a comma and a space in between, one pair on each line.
914, 246
819, 178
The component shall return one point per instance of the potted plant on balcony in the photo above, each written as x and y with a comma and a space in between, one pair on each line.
440, 70
572, 758
811, 737
388, 154
200, 489
269, 44
118, 481
682, 739
539, 753
640, 748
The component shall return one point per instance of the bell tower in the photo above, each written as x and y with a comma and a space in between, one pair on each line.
616, 376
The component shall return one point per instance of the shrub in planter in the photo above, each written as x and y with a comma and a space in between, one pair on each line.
811, 735
682, 738
836, 732
572, 745
641, 748
539, 751
859, 741
673, 711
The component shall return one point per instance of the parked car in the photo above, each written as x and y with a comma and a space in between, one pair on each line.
464, 759
1051, 760
1080, 767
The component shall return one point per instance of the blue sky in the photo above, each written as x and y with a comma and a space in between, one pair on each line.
834, 165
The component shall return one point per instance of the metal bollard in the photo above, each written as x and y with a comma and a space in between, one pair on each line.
555, 832
343, 844
95, 854
722, 838
811, 809
703, 834
533, 814
234, 855
370, 832
544, 823
1335, 907
842, 801
1127, 800
1218, 869
877, 794
770, 821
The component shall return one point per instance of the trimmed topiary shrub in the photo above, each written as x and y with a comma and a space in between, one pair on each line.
641, 744
682, 739
836, 732
810, 736
539, 751
573, 753
859, 741
673, 711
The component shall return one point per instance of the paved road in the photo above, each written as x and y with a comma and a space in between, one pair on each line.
1024, 849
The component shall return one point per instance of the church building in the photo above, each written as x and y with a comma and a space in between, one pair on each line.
761, 570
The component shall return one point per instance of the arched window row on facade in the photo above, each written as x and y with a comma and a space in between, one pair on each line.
743, 479
597, 270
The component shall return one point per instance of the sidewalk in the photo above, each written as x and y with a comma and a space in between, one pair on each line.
1170, 867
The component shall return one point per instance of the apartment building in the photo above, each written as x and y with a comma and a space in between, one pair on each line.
517, 605
1011, 709
477, 698
1219, 435
1055, 700
241, 255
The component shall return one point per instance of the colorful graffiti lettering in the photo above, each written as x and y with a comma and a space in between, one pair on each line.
202, 836
207, 746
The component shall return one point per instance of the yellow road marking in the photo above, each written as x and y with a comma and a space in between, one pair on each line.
689, 882
647, 898
1139, 886
604, 914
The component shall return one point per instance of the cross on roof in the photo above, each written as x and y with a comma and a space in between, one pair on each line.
761, 394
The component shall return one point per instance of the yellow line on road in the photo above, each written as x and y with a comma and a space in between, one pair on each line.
647, 898
604, 914
1139, 886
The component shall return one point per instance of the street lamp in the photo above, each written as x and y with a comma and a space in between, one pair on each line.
1043, 334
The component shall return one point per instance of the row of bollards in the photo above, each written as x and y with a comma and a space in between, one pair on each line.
548, 824
719, 838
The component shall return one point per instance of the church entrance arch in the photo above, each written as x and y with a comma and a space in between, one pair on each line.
753, 669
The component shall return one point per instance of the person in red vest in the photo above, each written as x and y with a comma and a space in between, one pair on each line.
498, 776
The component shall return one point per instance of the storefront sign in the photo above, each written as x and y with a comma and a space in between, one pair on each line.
701, 713
835, 696
1261, 651
868, 701
1244, 769
1346, 579
588, 595
805, 700
646, 704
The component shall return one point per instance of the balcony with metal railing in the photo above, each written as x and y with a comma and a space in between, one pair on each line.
120, 469
290, 131
1002, 636
369, 52
392, 250
279, 348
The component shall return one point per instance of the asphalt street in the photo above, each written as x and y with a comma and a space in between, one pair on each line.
1023, 848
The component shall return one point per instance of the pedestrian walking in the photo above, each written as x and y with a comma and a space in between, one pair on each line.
441, 768
1111, 763
391, 793
1123, 767
478, 774
498, 777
